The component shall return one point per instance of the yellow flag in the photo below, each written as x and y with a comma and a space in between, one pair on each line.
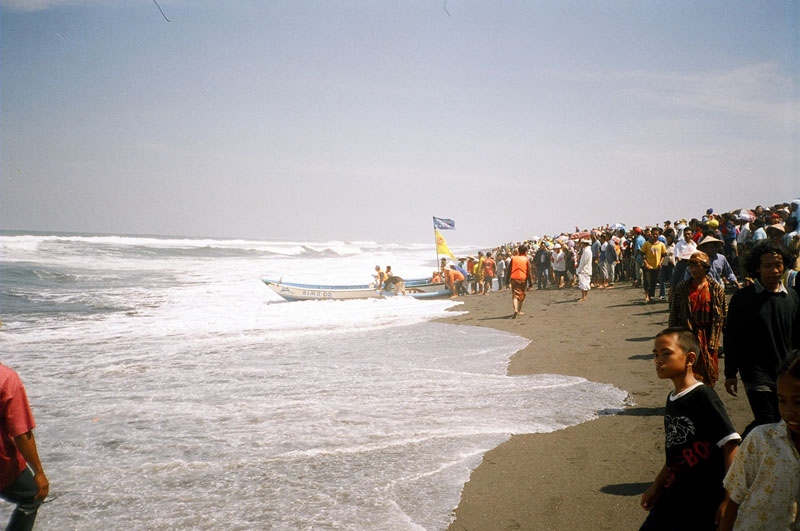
441, 245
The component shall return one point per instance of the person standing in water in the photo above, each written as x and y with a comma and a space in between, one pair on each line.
22, 479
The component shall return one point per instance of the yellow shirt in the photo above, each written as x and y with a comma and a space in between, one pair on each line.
653, 253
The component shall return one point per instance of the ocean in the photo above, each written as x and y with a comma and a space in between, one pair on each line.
173, 390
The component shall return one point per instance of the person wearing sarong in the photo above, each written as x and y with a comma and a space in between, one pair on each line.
699, 304
585, 269
519, 275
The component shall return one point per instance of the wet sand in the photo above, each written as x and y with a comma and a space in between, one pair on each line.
588, 476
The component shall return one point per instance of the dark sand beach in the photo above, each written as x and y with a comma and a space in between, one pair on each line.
588, 476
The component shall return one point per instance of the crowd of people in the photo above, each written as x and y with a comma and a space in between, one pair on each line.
711, 478
618, 255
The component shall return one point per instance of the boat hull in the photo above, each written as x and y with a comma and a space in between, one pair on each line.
292, 291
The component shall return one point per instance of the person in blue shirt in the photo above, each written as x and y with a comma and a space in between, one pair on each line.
638, 257
759, 233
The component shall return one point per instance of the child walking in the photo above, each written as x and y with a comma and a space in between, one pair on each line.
764, 479
700, 443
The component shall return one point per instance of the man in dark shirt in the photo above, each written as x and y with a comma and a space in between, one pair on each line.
762, 329
543, 262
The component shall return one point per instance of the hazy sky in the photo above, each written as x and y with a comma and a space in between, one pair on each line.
359, 120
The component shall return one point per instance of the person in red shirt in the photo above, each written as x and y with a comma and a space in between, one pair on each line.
488, 273
22, 479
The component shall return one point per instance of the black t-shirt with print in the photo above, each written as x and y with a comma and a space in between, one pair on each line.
695, 424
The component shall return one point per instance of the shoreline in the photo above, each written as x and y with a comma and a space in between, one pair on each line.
595, 471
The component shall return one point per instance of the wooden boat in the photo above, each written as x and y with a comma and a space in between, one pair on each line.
293, 291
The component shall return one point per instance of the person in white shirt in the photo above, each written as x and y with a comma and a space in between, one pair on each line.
684, 249
559, 266
585, 268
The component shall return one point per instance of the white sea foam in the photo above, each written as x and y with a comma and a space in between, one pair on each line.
208, 405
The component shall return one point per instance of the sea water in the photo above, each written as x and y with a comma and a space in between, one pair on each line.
173, 390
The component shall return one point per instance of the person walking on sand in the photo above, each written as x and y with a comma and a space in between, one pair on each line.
519, 276
22, 479
700, 443
762, 330
585, 269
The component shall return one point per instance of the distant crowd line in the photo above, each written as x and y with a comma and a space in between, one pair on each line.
623, 254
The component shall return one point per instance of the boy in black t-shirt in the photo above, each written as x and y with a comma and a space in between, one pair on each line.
700, 443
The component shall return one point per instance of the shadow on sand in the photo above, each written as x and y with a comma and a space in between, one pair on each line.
639, 339
625, 489
665, 310
509, 316
627, 304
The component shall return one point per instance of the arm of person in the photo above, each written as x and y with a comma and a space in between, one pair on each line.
727, 271
732, 386
673, 311
728, 453
654, 491
729, 518
731, 343
26, 444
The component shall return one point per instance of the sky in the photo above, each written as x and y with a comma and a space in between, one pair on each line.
361, 119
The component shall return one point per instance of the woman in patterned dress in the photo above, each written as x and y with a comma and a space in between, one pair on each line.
699, 304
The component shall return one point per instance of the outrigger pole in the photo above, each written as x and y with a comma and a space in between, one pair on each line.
436, 246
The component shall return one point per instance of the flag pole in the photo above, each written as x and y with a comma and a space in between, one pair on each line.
436, 246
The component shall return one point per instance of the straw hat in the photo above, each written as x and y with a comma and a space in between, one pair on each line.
708, 239
699, 257
778, 227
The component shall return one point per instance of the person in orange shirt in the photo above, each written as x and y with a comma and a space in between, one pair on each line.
519, 275
380, 277
454, 279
